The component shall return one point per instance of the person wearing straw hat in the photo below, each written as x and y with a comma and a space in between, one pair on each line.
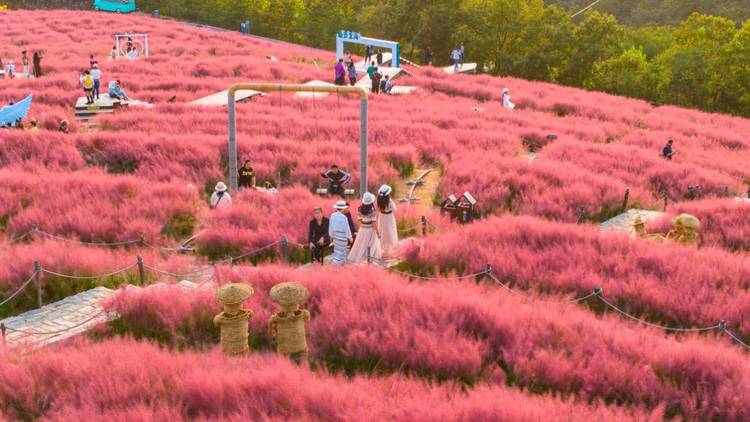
220, 198
387, 220
340, 232
367, 244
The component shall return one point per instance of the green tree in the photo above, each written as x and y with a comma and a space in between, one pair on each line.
691, 62
732, 88
629, 74
598, 37
548, 42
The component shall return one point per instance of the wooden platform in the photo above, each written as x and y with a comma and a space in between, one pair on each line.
312, 95
220, 99
466, 68
104, 105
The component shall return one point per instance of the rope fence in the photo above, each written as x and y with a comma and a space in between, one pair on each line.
35, 230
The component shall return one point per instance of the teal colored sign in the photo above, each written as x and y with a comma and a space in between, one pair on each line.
349, 35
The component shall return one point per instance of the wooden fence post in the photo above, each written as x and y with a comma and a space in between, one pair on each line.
625, 200
141, 271
38, 282
285, 248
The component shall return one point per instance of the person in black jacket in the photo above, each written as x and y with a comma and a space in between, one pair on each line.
246, 176
318, 236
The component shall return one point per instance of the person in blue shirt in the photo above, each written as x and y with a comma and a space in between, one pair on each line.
668, 152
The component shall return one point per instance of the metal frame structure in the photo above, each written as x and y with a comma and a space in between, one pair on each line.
141, 39
266, 87
354, 37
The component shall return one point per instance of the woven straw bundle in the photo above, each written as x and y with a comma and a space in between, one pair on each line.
234, 293
288, 293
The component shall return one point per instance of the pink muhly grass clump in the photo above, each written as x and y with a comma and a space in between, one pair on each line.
122, 380
63, 204
724, 222
365, 320
640, 275
257, 219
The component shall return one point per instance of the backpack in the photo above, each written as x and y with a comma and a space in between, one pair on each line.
88, 83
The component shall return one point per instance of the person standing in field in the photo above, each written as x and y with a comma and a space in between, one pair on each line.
368, 54
461, 54
87, 82
371, 70
667, 152
340, 72
10, 70
367, 244
318, 235
340, 233
387, 220
352, 74
246, 176
92, 61
506, 100
25, 62
428, 56
96, 75
379, 57
37, 60
220, 199
376, 81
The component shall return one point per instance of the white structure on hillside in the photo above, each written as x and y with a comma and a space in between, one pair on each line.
125, 43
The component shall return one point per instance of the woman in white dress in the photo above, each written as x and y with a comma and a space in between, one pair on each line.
506, 100
387, 220
367, 239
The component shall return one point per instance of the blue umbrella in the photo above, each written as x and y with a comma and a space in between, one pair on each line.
10, 114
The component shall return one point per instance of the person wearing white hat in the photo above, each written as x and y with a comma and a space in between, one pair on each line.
220, 198
340, 232
368, 239
387, 220
506, 100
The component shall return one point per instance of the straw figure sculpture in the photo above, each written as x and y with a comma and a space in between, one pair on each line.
683, 229
288, 325
233, 321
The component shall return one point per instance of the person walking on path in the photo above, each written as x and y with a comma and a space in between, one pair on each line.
376, 81
96, 75
379, 57
367, 244
25, 62
667, 152
371, 70
318, 236
340, 73
246, 176
340, 233
352, 74
220, 199
368, 54
456, 59
387, 220
428, 56
37, 60
461, 54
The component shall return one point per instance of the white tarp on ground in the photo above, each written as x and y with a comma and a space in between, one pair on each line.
466, 68
624, 222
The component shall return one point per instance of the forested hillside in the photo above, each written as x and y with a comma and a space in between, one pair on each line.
662, 12
699, 62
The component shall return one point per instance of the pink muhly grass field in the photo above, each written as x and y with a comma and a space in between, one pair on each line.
679, 285
365, 320
126, 380
724, 222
